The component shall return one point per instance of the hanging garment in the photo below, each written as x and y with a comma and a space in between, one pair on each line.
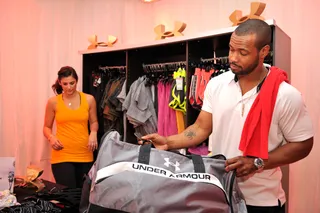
202, 150
178, 99
194, 94
139, 108
97, 87
161, 105
205, 78
198, 85
121, 97
167, 122
193, 90
180, 121
112, 107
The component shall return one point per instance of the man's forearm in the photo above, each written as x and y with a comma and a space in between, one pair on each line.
191, 136
288, 153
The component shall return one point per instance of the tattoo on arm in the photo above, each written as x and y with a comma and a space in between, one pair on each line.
190, 134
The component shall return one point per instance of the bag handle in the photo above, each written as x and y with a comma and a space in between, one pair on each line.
144, 158
144, 154
198, 164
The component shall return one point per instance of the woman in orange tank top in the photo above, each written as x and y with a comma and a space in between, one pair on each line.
72, 145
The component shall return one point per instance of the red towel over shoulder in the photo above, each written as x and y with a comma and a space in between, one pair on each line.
255, 133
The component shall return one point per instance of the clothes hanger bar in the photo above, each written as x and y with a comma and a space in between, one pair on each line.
213, 59
162, 67
112, 67
222, 58
168, 63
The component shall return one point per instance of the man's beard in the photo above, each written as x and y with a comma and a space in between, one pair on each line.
249, 69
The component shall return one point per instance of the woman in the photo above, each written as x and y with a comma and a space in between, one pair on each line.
72, 146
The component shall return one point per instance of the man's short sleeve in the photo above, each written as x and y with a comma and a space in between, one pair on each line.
295, 122
208, 97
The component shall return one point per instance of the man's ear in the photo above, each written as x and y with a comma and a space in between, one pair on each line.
264, 51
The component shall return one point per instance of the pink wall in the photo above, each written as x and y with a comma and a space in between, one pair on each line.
298, 19
37, 37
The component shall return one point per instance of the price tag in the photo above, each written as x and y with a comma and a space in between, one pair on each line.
179, 83
97, 81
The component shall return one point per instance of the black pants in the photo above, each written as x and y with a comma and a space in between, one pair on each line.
267, 209
70, 174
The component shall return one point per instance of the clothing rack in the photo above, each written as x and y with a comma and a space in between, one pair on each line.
112, 68
162, 67
223, 59
164, 64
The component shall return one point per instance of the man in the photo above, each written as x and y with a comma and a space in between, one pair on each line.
228, 100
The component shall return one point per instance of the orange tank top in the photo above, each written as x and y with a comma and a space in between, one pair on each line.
73, 132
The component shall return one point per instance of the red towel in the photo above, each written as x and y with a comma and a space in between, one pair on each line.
255, 133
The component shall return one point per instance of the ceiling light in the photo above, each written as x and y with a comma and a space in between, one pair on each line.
149, 1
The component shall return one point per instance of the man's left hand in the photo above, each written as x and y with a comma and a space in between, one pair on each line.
244, 166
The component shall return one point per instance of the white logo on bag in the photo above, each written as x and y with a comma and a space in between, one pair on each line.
143, 169
168, 163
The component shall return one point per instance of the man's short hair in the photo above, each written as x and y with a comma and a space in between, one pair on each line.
258, 27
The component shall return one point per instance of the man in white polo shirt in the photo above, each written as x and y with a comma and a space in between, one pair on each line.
227, 102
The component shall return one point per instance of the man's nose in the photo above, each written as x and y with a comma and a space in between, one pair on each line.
233, 57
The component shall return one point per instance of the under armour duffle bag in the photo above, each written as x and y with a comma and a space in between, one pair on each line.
140, 179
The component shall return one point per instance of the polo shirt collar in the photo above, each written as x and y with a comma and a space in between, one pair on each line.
235, 77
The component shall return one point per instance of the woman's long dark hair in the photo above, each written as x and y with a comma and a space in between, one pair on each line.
63, 73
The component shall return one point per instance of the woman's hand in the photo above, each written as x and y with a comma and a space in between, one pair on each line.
55, 143
93, 142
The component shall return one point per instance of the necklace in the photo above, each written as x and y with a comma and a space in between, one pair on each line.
254, 92
70, 103
243, 105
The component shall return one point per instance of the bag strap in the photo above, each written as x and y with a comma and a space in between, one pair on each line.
233, 177
198, 164
144, 158
144, 154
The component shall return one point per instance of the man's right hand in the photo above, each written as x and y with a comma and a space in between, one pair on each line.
158, 141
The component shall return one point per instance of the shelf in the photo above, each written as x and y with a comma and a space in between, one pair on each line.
201, 35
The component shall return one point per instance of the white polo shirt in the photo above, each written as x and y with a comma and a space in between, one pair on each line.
290, 121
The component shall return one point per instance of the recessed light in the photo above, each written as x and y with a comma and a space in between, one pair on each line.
149, 1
